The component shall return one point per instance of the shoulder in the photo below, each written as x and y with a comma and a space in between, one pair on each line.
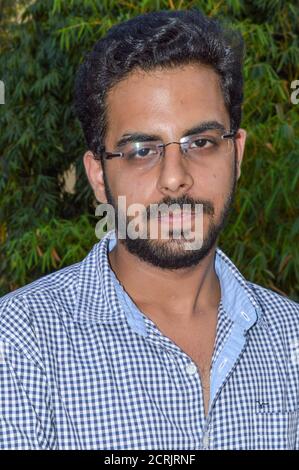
38, 301
59, 281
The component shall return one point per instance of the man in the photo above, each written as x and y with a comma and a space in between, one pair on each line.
151, 343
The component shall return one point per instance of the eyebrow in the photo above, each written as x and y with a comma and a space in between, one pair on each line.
141, 137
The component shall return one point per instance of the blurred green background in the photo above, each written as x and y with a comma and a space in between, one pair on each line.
47, 208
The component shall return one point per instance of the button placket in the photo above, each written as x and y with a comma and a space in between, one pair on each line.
206, 440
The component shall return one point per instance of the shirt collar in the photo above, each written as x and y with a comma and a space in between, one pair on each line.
101, 298
97, 299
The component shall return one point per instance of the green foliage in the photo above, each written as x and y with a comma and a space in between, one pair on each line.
43, 227
36, 248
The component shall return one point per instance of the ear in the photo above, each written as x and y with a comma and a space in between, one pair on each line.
94, 173
240, 140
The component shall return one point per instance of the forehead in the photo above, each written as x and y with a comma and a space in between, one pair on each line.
165, 101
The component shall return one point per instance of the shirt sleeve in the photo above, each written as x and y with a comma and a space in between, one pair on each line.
26, 417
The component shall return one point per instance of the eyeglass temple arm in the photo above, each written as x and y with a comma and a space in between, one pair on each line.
229, 135
107, 155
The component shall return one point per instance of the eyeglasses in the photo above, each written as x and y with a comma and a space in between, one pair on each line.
196, 148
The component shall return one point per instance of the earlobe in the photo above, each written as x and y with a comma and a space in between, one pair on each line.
94, 173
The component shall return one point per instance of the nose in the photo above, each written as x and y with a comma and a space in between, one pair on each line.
175, 178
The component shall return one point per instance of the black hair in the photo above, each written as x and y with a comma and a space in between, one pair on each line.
161, 39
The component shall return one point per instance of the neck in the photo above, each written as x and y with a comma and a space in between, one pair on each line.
183, 295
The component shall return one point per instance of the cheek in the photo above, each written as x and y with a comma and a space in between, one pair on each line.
215, 186
136, 190
222, 189
216, 182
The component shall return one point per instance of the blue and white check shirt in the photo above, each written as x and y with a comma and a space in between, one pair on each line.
81, 367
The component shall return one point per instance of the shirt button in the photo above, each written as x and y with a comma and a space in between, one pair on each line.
191, 369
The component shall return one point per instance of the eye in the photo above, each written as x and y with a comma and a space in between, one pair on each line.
143, 152
202, 142
140, 152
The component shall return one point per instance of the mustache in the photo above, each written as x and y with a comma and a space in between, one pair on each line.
208, 207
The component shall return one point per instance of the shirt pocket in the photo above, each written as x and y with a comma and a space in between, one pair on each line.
275, 430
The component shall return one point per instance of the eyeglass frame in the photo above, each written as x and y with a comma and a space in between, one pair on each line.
110, 155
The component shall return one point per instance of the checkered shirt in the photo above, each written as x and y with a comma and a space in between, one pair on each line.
81, 367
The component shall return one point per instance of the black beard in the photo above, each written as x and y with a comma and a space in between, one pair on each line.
171, 254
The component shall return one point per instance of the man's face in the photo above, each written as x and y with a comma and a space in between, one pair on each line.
166, 103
